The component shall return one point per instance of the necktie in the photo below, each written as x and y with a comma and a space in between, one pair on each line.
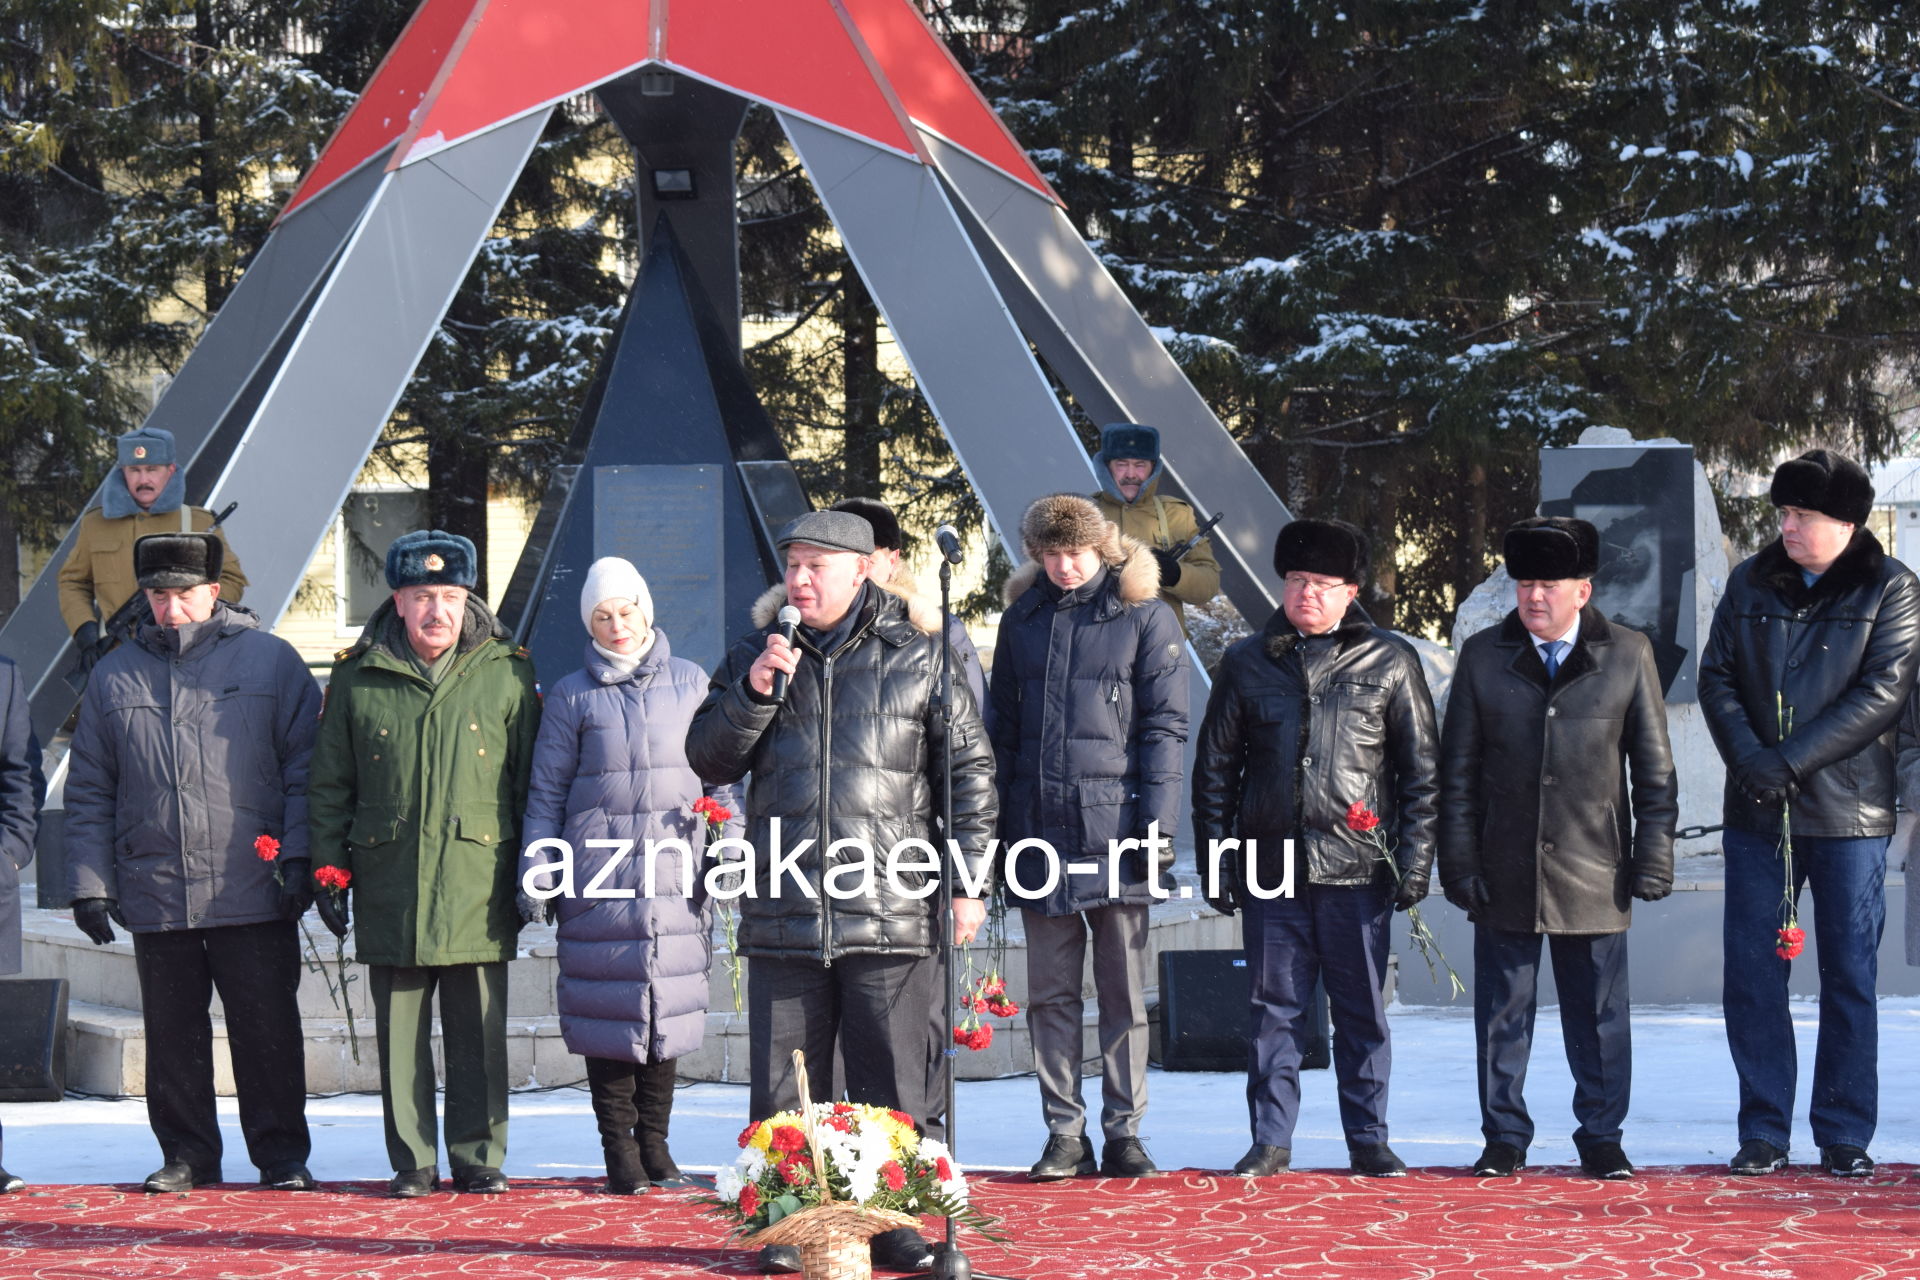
1553, 648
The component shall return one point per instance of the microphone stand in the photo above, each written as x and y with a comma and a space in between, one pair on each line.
949, 1261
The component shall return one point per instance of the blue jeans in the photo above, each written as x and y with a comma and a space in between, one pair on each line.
1337, 934
1848, 879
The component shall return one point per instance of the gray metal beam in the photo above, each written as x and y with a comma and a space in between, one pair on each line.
968, 357
358, 347
241, 340
1096, 343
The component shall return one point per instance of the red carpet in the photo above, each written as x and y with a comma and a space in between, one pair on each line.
1437, 1225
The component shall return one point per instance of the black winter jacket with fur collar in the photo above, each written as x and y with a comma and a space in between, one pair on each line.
1839, 657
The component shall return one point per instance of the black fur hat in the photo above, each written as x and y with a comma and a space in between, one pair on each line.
431, 558
1333, 548
178, 559
1550, 548
1129, 440
886, 525
1824, 481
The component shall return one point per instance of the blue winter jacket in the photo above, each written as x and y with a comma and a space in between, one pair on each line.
611, 764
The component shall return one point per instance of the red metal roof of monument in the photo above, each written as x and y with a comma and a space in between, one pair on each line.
870, 68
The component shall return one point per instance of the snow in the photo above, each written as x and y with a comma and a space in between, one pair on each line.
1683, 1111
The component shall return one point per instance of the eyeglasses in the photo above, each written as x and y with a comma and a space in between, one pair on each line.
1301, 584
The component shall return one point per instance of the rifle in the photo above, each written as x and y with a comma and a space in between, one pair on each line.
1206, 527
121, 626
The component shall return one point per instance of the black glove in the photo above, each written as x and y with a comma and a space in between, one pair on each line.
333, 911
86, 643
1651, 888
1410, 892
1767, 778
1169, 567
533, 910
91, 914
296, 889
1223, 895
1469, 893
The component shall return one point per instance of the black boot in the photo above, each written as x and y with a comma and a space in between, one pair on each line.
612, 1086
653, 1099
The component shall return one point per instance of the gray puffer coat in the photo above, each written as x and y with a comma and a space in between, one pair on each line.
611, 764
1089, 727
192, 742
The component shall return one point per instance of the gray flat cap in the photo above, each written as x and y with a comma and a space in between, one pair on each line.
834, 530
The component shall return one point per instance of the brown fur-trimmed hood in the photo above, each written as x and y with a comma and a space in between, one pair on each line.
922, 612
1136, 573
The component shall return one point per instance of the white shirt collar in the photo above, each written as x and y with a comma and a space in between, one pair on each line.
1567, 639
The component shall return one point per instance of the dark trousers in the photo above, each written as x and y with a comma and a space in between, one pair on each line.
1338, 935
874, 1007
256, 970
473, 1039
1848, 879
1590, 971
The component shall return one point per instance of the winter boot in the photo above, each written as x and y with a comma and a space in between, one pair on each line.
653, 1098
611, 1085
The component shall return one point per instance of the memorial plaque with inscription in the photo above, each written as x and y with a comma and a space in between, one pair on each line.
1641, 501
669, 520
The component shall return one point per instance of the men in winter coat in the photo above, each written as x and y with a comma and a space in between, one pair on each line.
1320, 712
1130, 497
1089, 728
1539, 834
847, 762
187, 826
22, 788
419, 781
1809, 662
610, 764
97, 576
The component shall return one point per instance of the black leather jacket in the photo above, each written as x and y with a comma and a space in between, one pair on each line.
1839, 657
1533, 777
1287, 745
854, 753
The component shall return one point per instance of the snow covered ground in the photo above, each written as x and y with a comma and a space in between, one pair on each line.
1683, 1111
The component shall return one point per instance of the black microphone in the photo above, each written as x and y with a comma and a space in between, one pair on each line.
948, 539
789, 619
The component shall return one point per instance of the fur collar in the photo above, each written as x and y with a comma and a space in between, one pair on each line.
1593, 626
116, 500
1134, 576
1859, 565
1144, 498
921, 612
1594, 630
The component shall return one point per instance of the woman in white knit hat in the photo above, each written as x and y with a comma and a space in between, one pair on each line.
610, 764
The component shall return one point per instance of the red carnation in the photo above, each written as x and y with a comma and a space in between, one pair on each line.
1361, 818
1793, 941
1003, 1008
943, 1169
796, 1170
267, 847
746, 1134
895, 1176
339, 878
749, 1198
703, 804
980, 1037
843, 1108
719, 813
838, 1123
787, 1139
902, 1117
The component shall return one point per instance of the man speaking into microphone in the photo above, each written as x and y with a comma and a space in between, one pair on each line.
849, 763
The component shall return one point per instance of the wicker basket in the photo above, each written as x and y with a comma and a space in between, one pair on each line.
832, 1238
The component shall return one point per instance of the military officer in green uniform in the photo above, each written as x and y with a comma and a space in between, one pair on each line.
148, 496
417, 788
1129, 496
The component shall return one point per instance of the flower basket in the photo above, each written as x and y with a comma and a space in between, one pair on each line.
832, 1238
827, 1177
